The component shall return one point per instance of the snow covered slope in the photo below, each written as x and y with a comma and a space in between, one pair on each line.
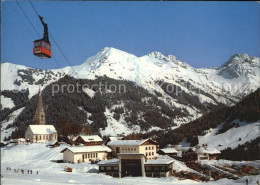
38, 157
239, 71
233, 137
180, 86
19, 78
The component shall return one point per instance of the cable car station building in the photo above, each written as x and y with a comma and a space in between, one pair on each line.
135, 165
135, 158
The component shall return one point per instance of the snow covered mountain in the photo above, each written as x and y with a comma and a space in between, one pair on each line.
177, 84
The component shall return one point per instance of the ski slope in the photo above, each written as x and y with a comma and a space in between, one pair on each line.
232, 137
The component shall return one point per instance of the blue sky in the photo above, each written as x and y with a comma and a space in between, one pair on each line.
203, 34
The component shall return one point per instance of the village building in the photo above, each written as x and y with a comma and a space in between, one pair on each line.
40, 132
87, 140
207, 153
136, 164
171, 152
18, 141
81, 154
53, 144
147, 147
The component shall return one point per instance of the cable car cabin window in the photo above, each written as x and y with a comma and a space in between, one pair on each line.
37, 44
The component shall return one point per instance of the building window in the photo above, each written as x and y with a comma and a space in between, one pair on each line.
40, 137
149, 148
152, 153
134, 149
146, 154
102, 168
96, 155
148, 168
108, 168
149, 153
115, 167
156, 168
88, 155
162, 167
146, 148
152, 148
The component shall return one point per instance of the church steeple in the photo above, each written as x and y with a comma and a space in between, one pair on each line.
39, 115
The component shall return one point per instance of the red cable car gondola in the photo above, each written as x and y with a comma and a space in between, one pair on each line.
42, 47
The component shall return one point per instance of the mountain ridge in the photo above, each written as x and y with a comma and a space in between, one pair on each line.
176, 83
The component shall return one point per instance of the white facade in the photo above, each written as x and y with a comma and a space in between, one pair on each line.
85, 153
146, 147
41, 133
203, 153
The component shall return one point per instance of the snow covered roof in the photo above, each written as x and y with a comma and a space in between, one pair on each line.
109, 162
159, 161
169, 150
16, 140
208, 150
184, 148
126, 142
112, 138
42, 129
21, 139
82, 149
91, 138
52, 142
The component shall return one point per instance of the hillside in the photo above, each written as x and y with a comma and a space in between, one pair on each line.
162, 92
227, 127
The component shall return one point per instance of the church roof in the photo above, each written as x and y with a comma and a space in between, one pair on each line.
42, 129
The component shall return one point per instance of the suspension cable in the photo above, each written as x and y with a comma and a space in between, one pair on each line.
27, 18
56, 42
37, 31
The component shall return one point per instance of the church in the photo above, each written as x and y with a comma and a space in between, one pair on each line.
39, 132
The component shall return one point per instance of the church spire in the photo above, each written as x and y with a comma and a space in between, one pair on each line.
39, 115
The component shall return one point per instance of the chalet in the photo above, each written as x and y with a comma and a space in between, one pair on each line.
147, 147
88, 140
80, 154
206, 153
171, 152
136, 164
53, 144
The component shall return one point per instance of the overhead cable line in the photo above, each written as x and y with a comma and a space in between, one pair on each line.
36, 30
36, 12
27, 18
